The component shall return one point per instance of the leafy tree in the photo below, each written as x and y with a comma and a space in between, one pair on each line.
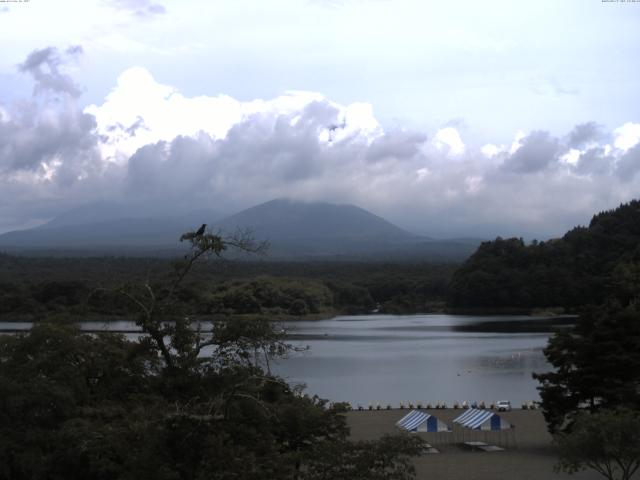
181, 403
607, 441
596, 365
571, 272
366, 460
55, 383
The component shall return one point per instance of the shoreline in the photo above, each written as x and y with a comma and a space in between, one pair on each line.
286, 319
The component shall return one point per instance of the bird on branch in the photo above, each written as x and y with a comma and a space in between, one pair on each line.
200, 231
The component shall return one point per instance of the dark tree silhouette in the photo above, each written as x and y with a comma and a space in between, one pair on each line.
76, 406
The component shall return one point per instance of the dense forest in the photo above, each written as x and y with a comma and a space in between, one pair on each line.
80, 406
567, 274
583, 267
34, 288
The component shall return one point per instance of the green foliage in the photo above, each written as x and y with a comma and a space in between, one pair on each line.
607, 441
372, 460
64, 293
61, 419
571, 272
350, 298
327, 288
54, 381
269, 295
596, 365
81, 406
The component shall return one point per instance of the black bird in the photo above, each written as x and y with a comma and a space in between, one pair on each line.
200, 231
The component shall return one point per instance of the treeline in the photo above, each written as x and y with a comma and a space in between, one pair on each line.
582, 268
37, 288
82, 406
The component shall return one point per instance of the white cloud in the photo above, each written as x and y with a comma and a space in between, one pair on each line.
515, 145
148, 142
159, 112
448, 138
571, 157
490, 150
627, 136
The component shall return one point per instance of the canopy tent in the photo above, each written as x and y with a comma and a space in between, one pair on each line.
417, 421
484, 425
485, 420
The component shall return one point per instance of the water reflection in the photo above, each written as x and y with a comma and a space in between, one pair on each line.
426, 358
409, 358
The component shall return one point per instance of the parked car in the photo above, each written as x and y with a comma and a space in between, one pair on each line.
503, 405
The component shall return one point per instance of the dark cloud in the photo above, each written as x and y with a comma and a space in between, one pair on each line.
629, 164
49, 136
584, 133
595, 161
52, 158
396, 145
41, 137
537, 151
44, 66
139, 8
176, 171
285, 147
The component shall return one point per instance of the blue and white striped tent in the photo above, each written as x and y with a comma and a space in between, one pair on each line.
417, 421
476, 419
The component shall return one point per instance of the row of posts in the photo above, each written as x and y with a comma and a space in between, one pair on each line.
528, 405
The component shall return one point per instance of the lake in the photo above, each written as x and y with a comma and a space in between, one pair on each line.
373, 359
384, 359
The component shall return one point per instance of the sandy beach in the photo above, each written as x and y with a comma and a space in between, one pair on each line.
532, 457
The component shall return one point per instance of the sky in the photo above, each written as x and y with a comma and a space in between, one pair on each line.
466, 118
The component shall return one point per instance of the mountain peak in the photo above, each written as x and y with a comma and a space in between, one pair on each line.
283, 218
295, 229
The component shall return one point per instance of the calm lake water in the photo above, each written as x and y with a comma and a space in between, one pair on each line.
388, 359
384, 359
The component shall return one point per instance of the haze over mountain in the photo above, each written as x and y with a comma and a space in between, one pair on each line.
283, 219
107, 227
293, 229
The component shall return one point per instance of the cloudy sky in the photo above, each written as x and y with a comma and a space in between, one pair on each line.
448, 118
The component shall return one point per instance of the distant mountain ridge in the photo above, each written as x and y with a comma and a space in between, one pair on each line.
103, 225
294, 229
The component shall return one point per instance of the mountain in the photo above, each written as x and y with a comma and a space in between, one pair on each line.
313, 230
585, 266
283, 219
295, 230
93, 213
105, 228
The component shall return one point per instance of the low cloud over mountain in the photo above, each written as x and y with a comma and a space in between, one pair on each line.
147, 143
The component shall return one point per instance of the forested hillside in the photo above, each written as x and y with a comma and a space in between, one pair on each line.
581, 268
36, 288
